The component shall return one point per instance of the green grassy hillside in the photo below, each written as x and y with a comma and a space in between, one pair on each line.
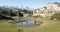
47, 26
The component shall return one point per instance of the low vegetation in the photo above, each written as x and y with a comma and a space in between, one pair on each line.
56, 16
49, 26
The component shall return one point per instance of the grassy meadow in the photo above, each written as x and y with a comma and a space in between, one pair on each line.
47, 26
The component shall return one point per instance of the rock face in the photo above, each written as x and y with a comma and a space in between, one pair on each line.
53, 6
49, 9
6, 13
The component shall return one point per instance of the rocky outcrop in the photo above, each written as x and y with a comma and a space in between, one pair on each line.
50, 9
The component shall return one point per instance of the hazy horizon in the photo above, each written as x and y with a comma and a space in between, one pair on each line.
28, 3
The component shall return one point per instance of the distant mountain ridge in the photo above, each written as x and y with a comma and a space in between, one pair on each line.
49, 9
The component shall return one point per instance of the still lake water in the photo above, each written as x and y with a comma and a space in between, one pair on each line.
28, 22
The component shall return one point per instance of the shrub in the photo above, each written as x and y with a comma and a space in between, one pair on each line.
56, 16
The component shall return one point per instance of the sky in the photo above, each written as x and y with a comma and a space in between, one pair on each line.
28, 3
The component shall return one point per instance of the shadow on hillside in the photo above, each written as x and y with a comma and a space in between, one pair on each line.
4, 17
